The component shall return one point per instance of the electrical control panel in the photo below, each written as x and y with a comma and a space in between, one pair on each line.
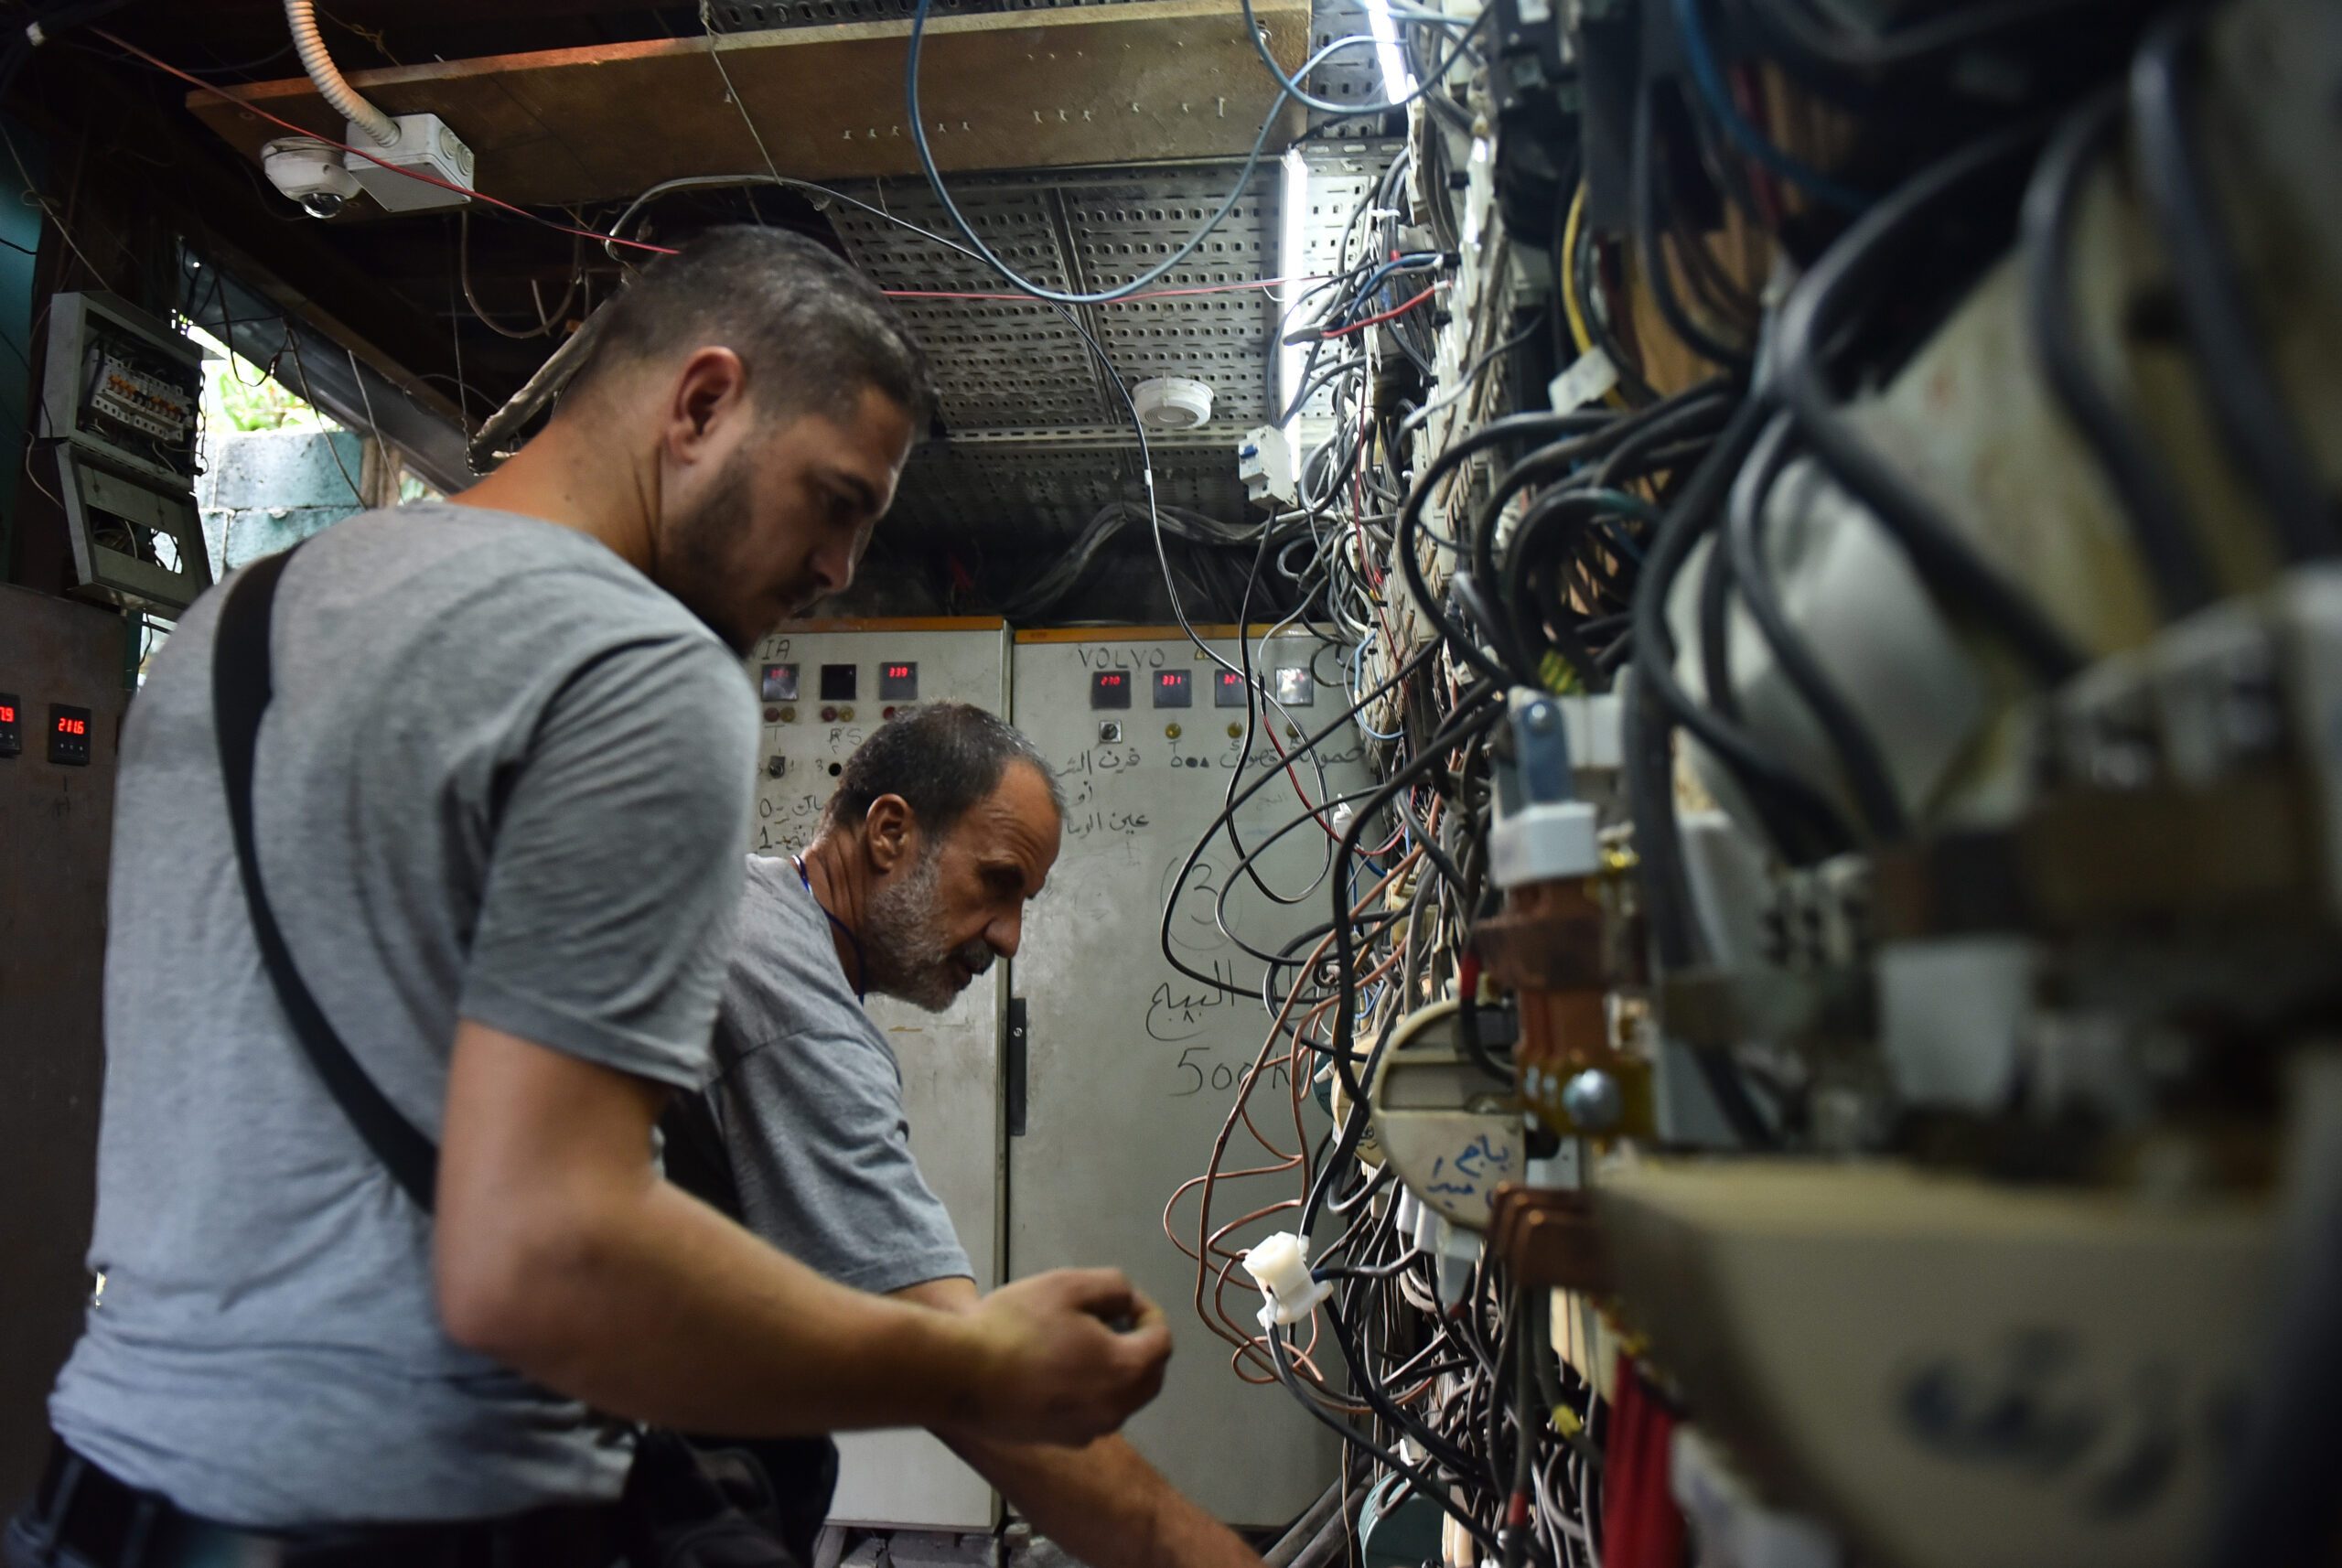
807, 677
1134, 1062
59, 659
121, 411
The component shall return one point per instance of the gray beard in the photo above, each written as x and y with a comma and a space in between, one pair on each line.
907, 956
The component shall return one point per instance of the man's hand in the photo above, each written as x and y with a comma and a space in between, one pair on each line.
1055, 1367
1102, 1503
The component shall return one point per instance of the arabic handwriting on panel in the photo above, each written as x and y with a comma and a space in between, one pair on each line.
1177, 1012
1107, 824
1475, 1168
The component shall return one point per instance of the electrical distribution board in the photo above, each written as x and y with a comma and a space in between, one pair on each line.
1114, 1071
1130, 1067
121, 403
823, 689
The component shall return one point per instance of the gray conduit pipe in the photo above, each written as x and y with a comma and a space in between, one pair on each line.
301, 16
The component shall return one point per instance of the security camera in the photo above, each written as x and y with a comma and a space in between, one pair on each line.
309, 172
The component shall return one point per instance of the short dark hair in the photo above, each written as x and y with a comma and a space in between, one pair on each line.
941, 759
810, 330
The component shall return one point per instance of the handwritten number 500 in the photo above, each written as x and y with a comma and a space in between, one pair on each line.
1222, 1075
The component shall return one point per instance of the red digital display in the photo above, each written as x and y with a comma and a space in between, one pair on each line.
68, 735
898, 671
7, 714
1110, 689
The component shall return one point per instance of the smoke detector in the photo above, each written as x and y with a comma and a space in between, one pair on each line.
1172, 402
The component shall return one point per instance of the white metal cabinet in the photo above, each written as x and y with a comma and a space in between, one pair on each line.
950, 1061
1130, 1067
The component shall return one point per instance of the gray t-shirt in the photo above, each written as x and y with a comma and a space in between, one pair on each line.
809, 1098
504, 777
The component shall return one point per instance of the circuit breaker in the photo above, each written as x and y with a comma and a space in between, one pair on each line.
1129, 1065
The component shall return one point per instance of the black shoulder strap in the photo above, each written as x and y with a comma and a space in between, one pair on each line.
242, 685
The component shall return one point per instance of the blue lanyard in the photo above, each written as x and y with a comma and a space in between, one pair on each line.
861, 959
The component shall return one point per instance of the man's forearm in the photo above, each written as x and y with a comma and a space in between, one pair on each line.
557, 1250
1102, 1502
1105, 1505
694, 1323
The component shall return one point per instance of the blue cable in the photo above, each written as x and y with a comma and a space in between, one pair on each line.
1105, 297
1709, 78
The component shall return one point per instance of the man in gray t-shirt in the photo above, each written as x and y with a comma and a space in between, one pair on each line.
944, 824
499, 800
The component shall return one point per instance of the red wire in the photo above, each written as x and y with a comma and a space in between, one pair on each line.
1391, 315
245, 104
1145, 294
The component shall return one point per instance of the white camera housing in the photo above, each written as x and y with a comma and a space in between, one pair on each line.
309, 171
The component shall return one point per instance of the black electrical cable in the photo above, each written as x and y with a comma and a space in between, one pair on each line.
1865, 767
1643, 198
1417, 660
1423, 1484
1497, 433
1595, 436
1943, 559
1552, 527
1586, 274
1450, 1457
1496, 629
1712, 633
2248, 406
1804, 824
1696, 417
1931, 41
2149, 499
1472, 712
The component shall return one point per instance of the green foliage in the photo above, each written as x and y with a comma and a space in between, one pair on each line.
241, 395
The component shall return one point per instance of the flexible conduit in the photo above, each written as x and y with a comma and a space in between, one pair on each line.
301, 16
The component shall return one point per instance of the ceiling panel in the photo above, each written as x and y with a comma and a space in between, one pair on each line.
998, 363
1036, 442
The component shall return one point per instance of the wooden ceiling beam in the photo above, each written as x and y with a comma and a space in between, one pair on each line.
1141, 81
300, 267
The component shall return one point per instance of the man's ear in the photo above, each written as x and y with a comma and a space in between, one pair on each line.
890, 834
712, 385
